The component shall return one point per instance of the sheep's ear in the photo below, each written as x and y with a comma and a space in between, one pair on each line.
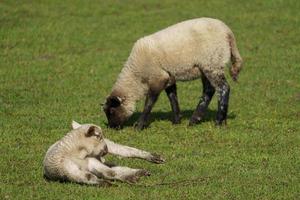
91, 131
75, 124
114, 101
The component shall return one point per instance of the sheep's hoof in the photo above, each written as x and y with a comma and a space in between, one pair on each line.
176, 121
155, 158
139, 126
219, 123
194, 121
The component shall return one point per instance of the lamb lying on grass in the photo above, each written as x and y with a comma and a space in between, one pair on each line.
78, 157
182, 52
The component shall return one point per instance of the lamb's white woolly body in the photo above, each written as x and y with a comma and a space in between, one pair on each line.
78, 157
180, 52
70, 149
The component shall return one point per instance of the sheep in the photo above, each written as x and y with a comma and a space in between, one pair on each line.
78, 157
182, 52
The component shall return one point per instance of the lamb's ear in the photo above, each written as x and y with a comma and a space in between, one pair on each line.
75, 125
91, 131
114, 101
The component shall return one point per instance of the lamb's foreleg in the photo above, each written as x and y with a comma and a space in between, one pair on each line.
77, 172
172, 95
130, 152
208, 92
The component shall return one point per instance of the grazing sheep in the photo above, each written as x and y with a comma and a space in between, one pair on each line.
182, 52
78, 157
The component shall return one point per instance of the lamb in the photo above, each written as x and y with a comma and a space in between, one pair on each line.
185, 51
78, 157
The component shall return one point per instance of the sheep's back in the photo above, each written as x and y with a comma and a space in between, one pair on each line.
178, 48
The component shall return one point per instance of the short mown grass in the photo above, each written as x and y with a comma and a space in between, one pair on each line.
59, 60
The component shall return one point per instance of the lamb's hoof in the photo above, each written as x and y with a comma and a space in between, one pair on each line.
155, 158
134, 178
143, 172
131, 179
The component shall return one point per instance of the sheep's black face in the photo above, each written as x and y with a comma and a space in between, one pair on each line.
115, 112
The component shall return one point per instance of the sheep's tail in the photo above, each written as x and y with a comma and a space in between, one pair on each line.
236, 58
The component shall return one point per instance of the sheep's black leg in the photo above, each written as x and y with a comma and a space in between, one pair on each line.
172, 95
149, 103
208, 92
224, 91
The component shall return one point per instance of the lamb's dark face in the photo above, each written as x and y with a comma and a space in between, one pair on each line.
115, 112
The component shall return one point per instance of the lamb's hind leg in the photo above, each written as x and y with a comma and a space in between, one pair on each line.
115, 173
79, 174
208, 92
172, 95
99, 169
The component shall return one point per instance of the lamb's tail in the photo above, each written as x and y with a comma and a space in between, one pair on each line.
236, 58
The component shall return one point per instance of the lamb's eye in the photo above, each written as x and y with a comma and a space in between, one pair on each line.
99, 137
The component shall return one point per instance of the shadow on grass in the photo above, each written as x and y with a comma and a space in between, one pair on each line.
210, 115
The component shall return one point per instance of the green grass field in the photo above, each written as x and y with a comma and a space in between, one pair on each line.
59, 60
